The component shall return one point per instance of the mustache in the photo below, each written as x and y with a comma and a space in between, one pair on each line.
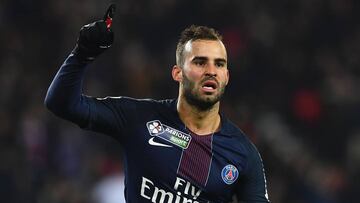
207, 78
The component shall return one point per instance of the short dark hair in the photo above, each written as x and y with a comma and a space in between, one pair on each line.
194, 32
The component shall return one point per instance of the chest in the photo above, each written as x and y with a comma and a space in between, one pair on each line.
172, 159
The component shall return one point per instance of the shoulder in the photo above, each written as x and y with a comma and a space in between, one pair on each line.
135, 104
145, 101
231, 130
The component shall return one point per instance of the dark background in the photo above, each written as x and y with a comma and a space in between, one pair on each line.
294, 89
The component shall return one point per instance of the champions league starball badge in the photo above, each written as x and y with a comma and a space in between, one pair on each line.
229, 174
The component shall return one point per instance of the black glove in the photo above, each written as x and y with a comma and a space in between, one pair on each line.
95, 38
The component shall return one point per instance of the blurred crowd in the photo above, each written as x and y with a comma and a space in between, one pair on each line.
294, 89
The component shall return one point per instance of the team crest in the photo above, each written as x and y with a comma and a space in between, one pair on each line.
229, 174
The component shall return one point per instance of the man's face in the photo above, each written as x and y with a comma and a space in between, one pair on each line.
204, 72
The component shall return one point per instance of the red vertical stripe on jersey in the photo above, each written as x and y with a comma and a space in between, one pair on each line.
196, 159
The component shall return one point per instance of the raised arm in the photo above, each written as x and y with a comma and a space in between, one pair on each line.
64, 97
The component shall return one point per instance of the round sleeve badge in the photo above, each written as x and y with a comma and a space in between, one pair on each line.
229, 174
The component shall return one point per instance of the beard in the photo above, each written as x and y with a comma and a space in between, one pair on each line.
202, 102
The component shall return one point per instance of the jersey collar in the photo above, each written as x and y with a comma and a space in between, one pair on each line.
227, 127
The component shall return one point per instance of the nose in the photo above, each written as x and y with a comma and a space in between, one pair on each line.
210, 70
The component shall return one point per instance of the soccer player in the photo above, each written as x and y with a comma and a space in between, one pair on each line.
176, 151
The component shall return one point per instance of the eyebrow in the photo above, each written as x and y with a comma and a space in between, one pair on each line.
204, 58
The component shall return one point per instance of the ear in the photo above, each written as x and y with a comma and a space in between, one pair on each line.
177, 73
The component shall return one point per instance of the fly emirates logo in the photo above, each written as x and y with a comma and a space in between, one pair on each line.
157, 195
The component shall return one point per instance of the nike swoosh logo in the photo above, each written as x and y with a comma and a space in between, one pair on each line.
153, 143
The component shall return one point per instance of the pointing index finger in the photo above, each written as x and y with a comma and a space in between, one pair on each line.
108, 18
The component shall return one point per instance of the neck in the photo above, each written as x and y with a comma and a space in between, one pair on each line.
201, 122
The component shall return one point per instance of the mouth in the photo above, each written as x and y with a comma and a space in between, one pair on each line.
209, 86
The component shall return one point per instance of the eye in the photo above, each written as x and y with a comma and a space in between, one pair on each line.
199, 62
220, 64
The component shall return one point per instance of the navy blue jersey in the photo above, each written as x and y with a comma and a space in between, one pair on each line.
164, 161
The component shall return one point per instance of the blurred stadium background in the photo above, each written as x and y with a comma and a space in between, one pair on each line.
294, 89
